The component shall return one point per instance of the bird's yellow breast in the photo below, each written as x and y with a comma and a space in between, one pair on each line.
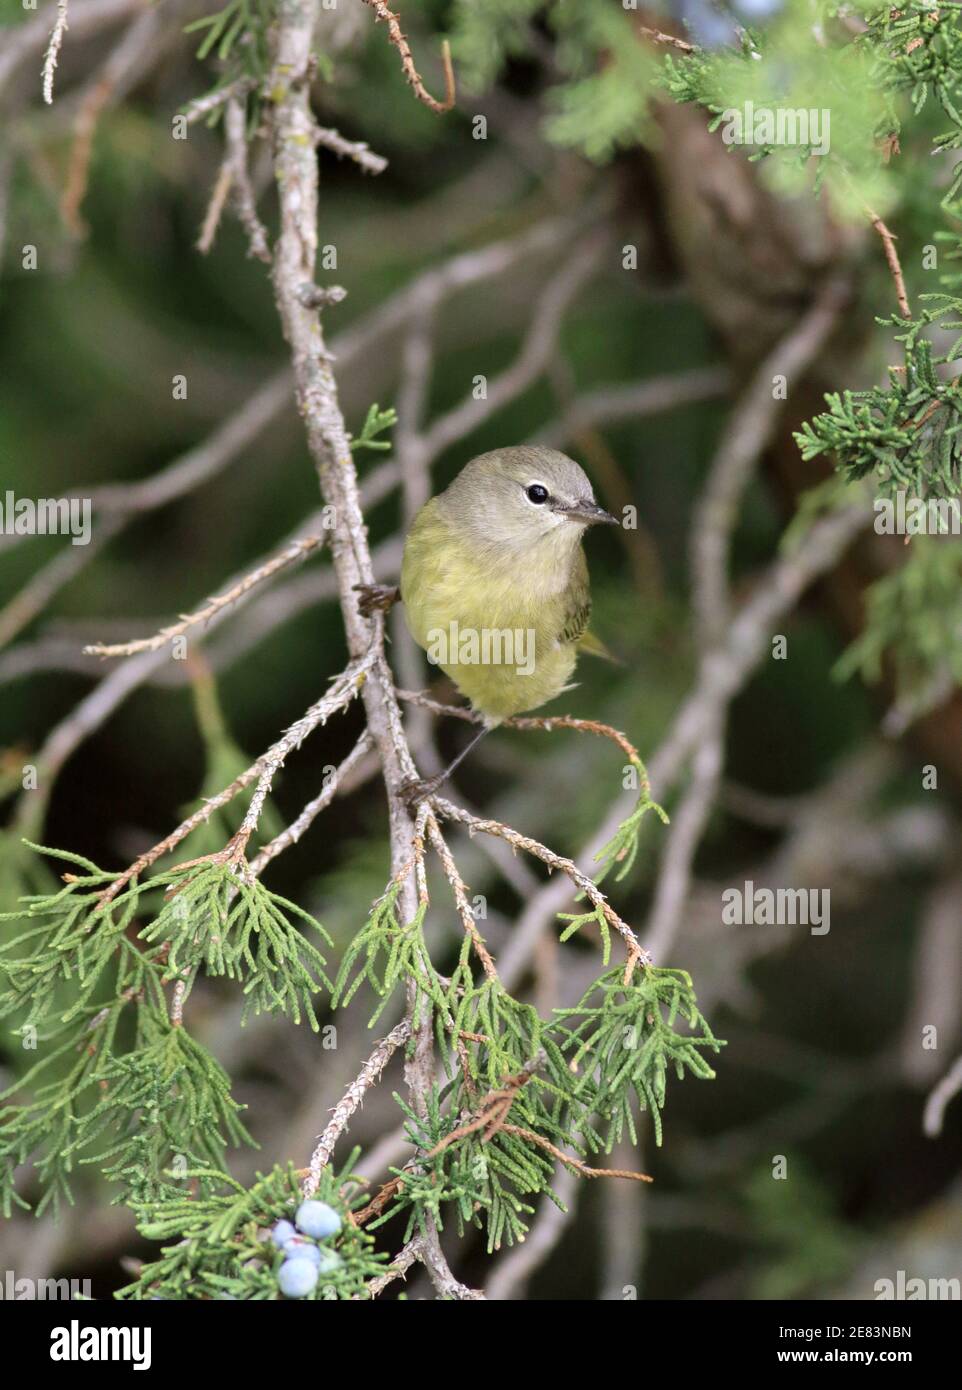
503, 626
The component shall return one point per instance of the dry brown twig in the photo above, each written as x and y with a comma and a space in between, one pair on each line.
894, 264
489, 1114
78, 168
658, 36
460, 895
547, 722
134, 53
569, 1160
491, 1117
399, 39
584, 884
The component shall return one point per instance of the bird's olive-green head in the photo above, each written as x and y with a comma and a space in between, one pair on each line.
517, 498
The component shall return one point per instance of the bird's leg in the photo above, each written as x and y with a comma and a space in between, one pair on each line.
376, 598
417, 789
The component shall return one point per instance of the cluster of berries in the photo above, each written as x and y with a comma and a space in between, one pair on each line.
304, 1259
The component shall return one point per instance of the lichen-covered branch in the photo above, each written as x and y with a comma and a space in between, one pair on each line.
295, 253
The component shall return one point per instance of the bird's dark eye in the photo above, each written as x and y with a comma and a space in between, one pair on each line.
537, 493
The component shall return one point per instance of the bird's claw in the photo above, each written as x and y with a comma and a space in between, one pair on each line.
376, 598
418, 789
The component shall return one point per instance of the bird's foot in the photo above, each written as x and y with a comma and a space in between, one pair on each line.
419, 789
376, 598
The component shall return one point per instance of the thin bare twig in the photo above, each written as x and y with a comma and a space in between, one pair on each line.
688, 822
78, 169
399, 39
460, 896
658, 36
582, 1169
609, 404
342, 691
213, 101
358, 150
585, 885
48, 580
397, 1269
352, 1100
215, 206
291, 553
744, 440
714, 521
547, 722
53, 50
344, 688
892, 259
34, 36
533, 357
245, 204
293, 832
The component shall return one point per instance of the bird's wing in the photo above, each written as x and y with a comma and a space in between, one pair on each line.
577, 607
577, 615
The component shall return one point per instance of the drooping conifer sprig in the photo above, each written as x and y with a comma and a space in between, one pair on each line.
621, 1040
469, 1167
90, 984
905, 434
218, 1242
528, 1093
388, 952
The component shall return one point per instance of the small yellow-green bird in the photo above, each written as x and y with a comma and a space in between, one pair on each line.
495, 584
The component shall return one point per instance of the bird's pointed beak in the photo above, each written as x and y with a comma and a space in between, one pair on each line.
589, 513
